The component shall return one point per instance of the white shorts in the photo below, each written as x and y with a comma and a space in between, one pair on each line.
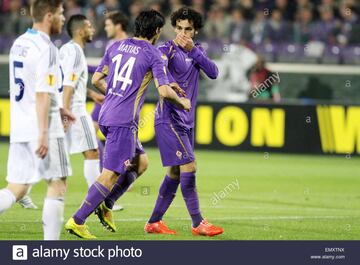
25, 167
81, 135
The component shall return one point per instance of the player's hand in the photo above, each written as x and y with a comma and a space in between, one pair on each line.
67, 118
43, 142
185, 103
178, 89
96, 97
184, 42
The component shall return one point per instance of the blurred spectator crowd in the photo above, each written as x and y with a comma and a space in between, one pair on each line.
254, 23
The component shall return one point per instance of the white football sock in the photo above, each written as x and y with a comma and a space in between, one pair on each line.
53, 217
7, 199
91, 170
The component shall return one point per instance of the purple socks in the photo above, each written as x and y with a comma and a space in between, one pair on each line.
188, 189
166, 196
122, 184
96, 195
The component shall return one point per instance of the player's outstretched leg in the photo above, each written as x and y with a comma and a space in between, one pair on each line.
96, 195
200, 226
166, 196
53, 209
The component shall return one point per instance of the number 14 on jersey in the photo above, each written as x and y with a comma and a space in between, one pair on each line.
124, 74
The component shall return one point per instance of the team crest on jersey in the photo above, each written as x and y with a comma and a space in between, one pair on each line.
179, 154
50, 80
73, 77
127, 163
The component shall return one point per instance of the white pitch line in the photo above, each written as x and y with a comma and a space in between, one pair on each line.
243, 218
295, 208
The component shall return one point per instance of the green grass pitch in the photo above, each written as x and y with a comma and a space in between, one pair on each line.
254, 196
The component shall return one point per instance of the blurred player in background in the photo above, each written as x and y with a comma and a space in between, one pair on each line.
129, 66
37, 148
81, 137
264, 83
116, 24
174, 127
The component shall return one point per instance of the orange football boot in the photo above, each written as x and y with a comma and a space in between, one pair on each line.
206, 229
158, 228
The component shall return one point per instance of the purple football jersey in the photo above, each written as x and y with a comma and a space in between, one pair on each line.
184, 68
130, 65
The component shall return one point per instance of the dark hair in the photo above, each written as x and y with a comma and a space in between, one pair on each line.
75, 22
118, 18
147, 22
184, 13
39, 8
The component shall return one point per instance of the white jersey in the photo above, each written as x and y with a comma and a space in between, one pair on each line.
75, 69
34, 67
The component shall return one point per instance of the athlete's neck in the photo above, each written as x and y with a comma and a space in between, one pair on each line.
120, 36
42, 27
79, 41
145, 39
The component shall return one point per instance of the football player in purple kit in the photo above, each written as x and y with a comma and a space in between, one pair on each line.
116, 23
115, 27
128, 66
174, 127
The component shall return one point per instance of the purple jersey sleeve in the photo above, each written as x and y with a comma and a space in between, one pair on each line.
104, 64
169, 76
91, 69
165, 50
159, 69
201, 58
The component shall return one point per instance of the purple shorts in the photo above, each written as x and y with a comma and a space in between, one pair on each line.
121, 146
95, 113
176, 144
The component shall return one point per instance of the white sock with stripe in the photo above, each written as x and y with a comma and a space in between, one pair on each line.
91, 170
7, 199
53, 218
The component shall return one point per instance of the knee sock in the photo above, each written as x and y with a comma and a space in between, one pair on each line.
7, 199
120, 187
91, 170
96, 195
166, 196
52, 218
188, 189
